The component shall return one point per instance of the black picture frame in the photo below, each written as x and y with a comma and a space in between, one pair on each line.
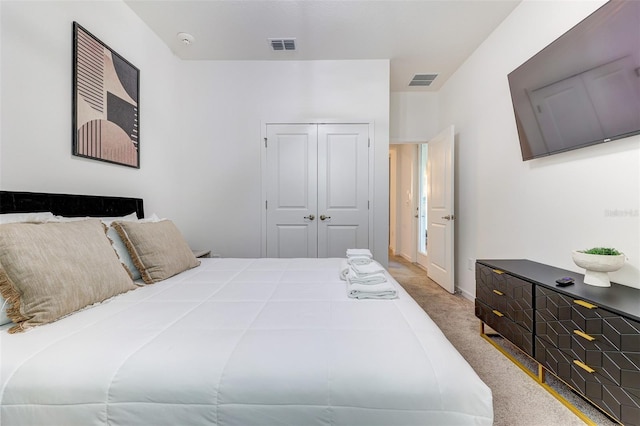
106, 102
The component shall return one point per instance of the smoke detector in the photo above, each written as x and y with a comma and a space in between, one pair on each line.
185, 38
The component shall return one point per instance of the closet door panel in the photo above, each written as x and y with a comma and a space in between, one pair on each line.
343, 188
292, 190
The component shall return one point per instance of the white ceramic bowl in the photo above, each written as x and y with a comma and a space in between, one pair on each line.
597, 266
598, 262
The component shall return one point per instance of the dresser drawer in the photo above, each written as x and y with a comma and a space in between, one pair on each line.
620, 401
511, 331
491, 288
562, 320
507, 294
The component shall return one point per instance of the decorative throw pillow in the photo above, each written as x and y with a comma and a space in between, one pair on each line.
116, 241
158, 249
50, 270
16, 218
119, 245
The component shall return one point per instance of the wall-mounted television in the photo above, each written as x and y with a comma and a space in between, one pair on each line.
584, 88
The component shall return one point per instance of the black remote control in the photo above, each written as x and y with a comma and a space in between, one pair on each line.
565, 281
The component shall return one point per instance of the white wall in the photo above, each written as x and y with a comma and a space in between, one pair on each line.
539, 209
36, 130
199, 125
413, 117
225, 104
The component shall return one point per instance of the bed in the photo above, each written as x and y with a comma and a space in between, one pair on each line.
239, 342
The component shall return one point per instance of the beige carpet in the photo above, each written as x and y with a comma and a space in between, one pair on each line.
517, 399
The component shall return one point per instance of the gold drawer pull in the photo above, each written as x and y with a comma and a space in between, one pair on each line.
584, 366
585, 304
584, 335
498, 292
498, 271
498, 313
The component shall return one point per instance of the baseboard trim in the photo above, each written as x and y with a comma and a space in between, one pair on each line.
420, 266
466, 294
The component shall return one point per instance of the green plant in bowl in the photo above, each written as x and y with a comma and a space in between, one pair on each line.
603, 251
598, 262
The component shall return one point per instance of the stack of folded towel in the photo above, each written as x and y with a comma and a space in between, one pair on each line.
365, 277
359, 256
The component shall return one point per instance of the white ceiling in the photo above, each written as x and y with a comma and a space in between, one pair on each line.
418, 36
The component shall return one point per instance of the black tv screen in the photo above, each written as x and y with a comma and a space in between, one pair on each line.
584, 88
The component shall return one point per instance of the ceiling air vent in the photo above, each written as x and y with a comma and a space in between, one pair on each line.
278, 44
422, 79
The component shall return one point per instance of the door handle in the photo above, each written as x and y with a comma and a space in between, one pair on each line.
448, 217
310, 217
323, 217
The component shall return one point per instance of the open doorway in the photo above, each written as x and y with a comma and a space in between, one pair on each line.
403, 197
423, 198
422, 237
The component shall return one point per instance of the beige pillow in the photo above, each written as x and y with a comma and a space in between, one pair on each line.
158, 249
49, 270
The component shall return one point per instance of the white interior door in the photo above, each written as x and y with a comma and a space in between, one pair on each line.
317, 188
343, 188
440, 209
292, 152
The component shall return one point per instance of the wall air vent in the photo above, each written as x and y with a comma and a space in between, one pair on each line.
422, 79
280, 44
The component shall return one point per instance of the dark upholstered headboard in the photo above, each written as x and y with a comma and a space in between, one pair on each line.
69, 205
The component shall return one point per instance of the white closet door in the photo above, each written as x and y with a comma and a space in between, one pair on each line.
343, 188
292, 190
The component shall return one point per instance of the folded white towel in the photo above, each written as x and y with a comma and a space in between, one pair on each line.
359, 260
359, 252
384, 290
367, 269
371, 279
344, 269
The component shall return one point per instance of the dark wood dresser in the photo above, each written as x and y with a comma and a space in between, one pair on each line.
588, 337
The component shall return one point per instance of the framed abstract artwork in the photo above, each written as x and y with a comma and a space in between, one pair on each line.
106, 101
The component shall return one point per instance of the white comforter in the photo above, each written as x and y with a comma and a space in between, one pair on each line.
241, 342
